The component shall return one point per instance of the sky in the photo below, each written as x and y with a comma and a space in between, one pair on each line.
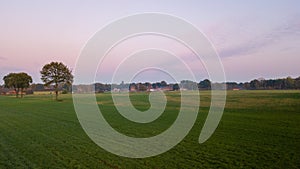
253, 38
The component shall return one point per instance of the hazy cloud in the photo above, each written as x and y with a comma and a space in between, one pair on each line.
288, 31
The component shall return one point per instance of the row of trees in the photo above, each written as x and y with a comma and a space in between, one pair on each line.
271, 84
54, 73
260, 84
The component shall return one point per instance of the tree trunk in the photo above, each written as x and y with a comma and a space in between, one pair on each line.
56, 91
22, 93
17, 93
56, 95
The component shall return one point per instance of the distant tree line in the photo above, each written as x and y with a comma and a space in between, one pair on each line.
260, 84
271, 84
58, 77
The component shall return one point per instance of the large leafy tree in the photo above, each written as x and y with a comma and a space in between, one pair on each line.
58, 74
17, 81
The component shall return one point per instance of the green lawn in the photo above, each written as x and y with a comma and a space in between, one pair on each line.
259, 129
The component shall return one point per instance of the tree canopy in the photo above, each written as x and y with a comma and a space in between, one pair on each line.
17, 81
58, 74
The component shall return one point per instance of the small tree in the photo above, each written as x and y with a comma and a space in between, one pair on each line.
17, 81
297, 83
176, 87
205, 84
58, 74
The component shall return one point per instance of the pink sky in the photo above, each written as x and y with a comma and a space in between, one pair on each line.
254, 39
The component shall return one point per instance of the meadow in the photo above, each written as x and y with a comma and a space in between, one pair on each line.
259, 129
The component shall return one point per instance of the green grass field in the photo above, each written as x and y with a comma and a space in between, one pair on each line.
259, 129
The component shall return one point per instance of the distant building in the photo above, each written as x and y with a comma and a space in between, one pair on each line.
116, 90
167, 88
132, 87
149, 87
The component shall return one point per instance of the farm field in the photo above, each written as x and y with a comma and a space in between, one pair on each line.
259, 129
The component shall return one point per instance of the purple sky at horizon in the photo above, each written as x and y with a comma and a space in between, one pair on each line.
253, 38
